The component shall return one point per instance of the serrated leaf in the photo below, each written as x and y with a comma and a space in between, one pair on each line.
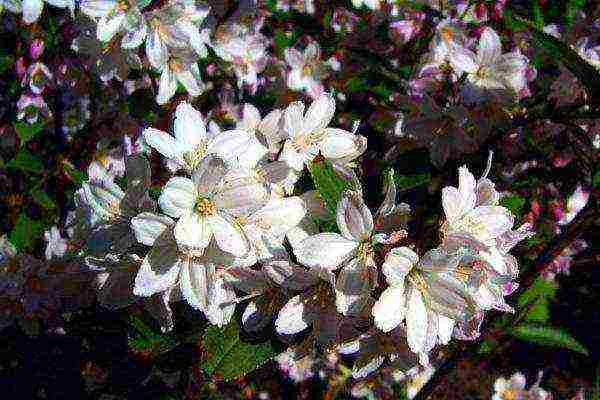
27, 162
548, 336
230, 357
328, 183
25, 232
26, 132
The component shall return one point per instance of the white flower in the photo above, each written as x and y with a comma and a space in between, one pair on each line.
267, 130
489, 72
248, 55
352, 251
308, 133
32, 9
306, 69
167, 267
110, 208
575, 203
192, 143
114, 17
372, 4
176, 27
182, 68
429, 294
473, 208
208, 204
56, 244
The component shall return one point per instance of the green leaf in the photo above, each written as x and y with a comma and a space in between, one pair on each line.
538, 14
6, 62
328, 183
571, 11
26, 162
584, 71
548, 336
143, 3
25, 232
540, 288
73, 173
514, 203
596, 180
228, 356
42, 198
145, 339
405, 182
356, 84
26, 132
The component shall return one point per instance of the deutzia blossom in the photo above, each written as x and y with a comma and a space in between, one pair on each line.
372, 4
117, 16
306, 69
181, 67
514, 389
268, 288
428, 293
111, 209
208, 204
489, 72
267, 130
308, 133
32, 9
56, 244
575, 203
167, 267
352, 251
176, 27
192, 143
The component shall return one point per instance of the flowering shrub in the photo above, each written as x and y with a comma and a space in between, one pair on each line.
365, 192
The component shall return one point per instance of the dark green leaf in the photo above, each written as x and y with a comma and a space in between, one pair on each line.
6, 62
571, 11
540, 289
74, 174
145, 339
25, 161
328, 183
230, 357
404, 182
25, 232
514, 203
26, 132
548, 336
42, 198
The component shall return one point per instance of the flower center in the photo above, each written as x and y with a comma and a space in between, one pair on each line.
364, 250
483, 72
206, 207
510, 394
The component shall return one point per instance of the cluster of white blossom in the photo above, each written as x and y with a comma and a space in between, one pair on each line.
230, 227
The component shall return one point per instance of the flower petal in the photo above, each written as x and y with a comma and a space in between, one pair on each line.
193, 231
189, 126
193, 283
319, 114
228, 235
164, 143
353, 217
398, 262
291, 318
178, 196
32, 9
389, 310
159, 271
147, 227
341, 144
241, 196
416, 321
325, 250
156, 50
489, 48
